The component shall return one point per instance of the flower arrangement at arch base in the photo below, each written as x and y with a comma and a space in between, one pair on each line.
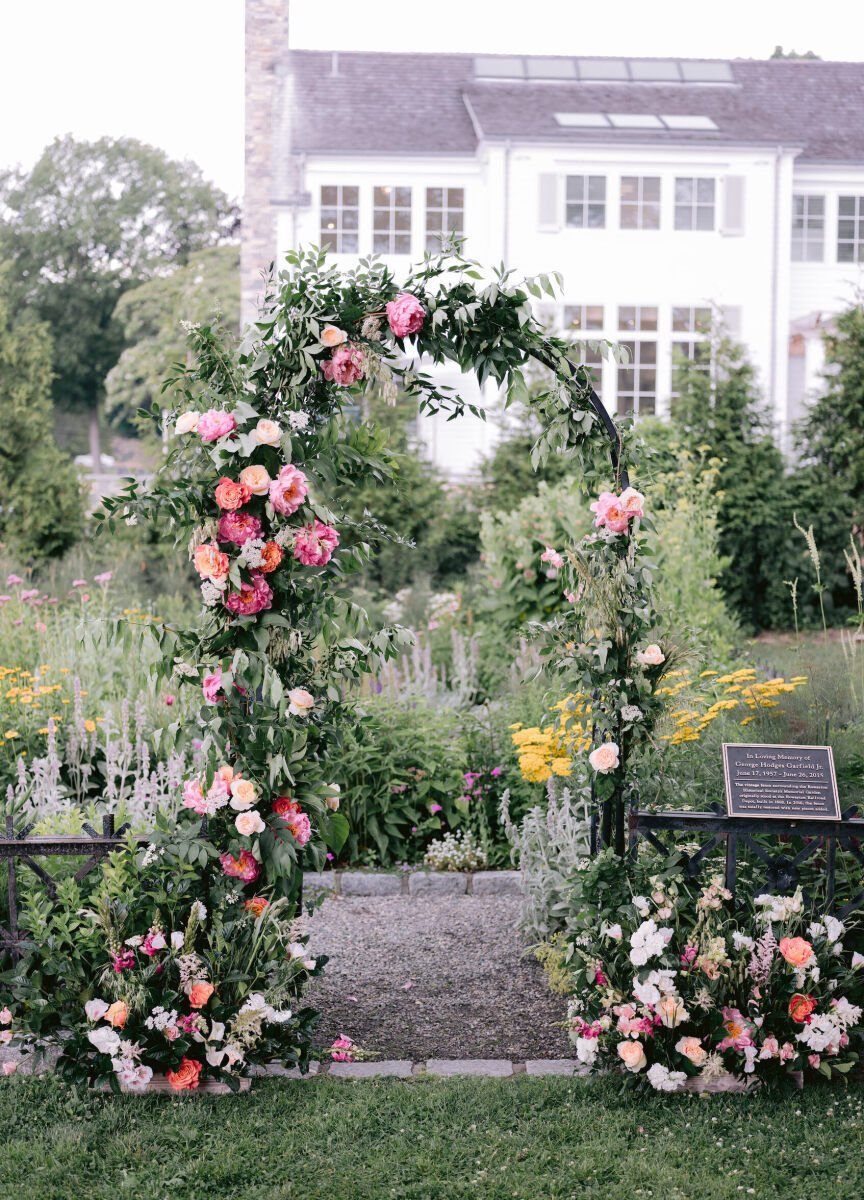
678, 988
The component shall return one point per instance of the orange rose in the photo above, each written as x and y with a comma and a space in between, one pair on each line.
211, 562
256, 905
256, 479
796, 951
800, 1008
231, 495
199, 994
117, 1014
186, 1078
284, 804
272, 556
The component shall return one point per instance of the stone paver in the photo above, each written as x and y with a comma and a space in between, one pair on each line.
437, 883
550, 1066
289, 1072
400, 1067
361, 883
497, 883
469, 1066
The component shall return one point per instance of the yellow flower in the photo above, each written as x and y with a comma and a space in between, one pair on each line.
11, 733
90, 726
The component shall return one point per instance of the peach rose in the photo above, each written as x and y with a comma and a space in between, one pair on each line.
256, 479
332, 335
796, 951
187, 422
227, 773
248, 823
651, 656
604, 758
271, 556
243, 794
211, 563
231, 495
185, 1078
632, 1055
116, 1014
300, 702
692, 1048
199, 994
267, 433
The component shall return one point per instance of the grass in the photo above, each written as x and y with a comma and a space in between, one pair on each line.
529, 1138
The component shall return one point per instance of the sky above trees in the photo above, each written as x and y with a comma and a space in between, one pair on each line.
171, 72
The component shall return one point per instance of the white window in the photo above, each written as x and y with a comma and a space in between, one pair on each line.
694, 203
587, 318
637, 378
691, 328
808, 228
640, 202
583, 316
850, 229
391, 220
340, 213
445, 214
586, 202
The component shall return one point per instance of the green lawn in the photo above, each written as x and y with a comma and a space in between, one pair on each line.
538, 1139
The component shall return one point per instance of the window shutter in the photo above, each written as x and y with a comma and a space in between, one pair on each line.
549, 217
733, 205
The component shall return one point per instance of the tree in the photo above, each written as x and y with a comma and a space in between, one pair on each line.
41, 513
89, 222
150, 317
779, 52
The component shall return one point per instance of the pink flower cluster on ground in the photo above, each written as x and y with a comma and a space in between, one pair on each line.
345, 367
405, 314
341, 1049
314, 544
615, 512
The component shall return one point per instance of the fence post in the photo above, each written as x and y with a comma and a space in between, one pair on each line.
13, 898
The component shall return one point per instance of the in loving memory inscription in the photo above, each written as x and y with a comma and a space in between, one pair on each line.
792, 782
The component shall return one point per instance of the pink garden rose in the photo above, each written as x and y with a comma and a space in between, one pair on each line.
345, 367
213, 425
405, 314
245, 867
252, 598
610, 513
314, 544
212, 685
238, 527
288, 490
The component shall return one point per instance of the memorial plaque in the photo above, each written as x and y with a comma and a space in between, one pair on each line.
796, 783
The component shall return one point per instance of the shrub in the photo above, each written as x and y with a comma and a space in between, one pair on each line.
459, 851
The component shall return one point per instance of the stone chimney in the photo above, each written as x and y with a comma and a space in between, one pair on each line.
273, 175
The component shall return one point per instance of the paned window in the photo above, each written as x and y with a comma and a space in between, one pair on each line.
850, 229
586, 202
445, 214
808, 228
340, 212
690, 329
637, 316
637, 380
640, 202
694, 203
391, 220
583, 316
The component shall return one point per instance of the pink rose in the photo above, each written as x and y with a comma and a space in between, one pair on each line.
770, 1048
252, 598
341, 1049
345, 367
245, 867
238, 527
212, 686
213, 425
405, 314
300, 826
288, 490
314, 544
605, 758
787, 1051
609, 512
193, 796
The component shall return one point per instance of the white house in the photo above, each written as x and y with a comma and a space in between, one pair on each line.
659, 189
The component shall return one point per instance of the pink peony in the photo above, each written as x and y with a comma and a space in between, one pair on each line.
252, 598
212, 685
300, 826
213, 425
314, 544
288, 490
193, 796
405, 314
345, 367
609, 512
738, 1029
245, 867
238, 527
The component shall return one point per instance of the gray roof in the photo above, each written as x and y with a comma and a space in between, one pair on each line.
447, 103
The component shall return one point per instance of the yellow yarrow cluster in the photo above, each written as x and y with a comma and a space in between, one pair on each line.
27, 691
543, 752
741, 689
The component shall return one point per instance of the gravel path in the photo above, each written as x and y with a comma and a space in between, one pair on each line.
472, 993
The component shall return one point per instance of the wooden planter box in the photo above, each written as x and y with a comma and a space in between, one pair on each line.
159, 1086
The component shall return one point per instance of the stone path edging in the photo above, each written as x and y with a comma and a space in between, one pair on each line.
403, 1068
414, 883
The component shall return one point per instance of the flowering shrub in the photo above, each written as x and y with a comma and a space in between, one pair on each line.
459, 851
675, 984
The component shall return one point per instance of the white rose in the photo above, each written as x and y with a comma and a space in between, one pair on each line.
604, 758
95, 1009
105, 1039
187, 422
248, 823
300, 702
651, 656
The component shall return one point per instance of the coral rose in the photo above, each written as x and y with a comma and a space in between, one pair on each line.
187, 422
692, 1048
185, 1078
256, 905
238, 527
267, 433
246, 867
248, 823
116, 1014
314, 544
256, 479
405, 314
800, 1008
284, 804
231, 495
796, 951
604, 758
199, 994
288, 490
213, 425
332, 335
345, 367
211, 563
632, 1055
271, 557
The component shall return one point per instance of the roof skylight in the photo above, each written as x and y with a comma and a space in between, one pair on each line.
635, 121
601, 70
583, 120
680, 121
